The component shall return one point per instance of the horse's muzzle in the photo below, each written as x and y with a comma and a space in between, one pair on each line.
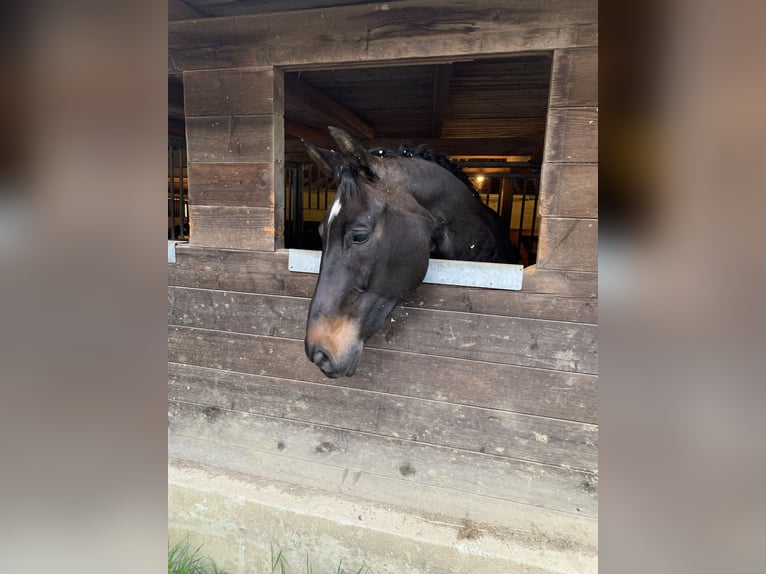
329, 365
333, 344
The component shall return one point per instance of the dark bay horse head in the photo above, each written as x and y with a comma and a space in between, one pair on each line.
388, 216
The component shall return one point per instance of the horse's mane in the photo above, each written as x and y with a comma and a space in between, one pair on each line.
424, 152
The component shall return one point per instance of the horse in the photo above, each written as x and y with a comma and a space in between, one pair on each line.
391, 212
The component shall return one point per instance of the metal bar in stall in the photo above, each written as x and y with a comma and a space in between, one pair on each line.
176, 218
170, 184
288, 201
171, 194
298, 223
181, 186
310, 187
291, 192
313, 188
523, 206
326, 192
510, 208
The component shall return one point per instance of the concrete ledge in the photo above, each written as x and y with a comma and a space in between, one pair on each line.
241, 518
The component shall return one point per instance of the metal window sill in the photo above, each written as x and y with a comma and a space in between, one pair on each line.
440, 271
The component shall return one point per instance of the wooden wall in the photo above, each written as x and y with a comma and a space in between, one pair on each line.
235, 149
471, 403
569, 185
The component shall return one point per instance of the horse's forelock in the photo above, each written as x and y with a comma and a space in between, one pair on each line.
347, 185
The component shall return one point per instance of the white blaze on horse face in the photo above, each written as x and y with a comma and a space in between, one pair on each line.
334, 210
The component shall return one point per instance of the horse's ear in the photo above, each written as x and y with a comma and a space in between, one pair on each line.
329, 161
352, 149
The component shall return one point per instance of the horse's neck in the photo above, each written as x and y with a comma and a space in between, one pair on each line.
461, 229
439, 192
451, 201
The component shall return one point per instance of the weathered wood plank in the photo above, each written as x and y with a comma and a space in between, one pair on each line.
552, 487
548, 295
572, 135
391, 31
569, 190
492, 128
253, 314
232, 184
574, 78
230, 139
518, 436
568, 244
238, 92
567, 283
564, 395
486, 338
435, 502
279, 93
491, 339
246, 271
232, 227
279, 165
517, 304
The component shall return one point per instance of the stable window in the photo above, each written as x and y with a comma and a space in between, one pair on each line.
487, 115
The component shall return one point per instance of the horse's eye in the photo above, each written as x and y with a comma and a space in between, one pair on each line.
360, 237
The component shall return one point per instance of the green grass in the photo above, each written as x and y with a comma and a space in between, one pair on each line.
181, 560
279, 566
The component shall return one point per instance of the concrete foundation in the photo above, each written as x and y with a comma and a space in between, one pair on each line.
242, 521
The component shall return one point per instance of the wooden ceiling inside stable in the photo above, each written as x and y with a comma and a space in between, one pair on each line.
492, 106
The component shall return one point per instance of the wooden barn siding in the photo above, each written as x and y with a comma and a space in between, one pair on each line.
384, 469
373, 33
234, 142
496, 430
494, 439
569, 196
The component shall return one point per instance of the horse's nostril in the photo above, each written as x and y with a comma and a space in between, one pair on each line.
320, 357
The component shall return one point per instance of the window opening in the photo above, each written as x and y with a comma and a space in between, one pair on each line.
178, 191
491, 121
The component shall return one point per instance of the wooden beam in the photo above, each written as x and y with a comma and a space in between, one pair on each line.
474, 146
180, 10
307, 133
294, 150
442, 76
415, 30
306, 96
